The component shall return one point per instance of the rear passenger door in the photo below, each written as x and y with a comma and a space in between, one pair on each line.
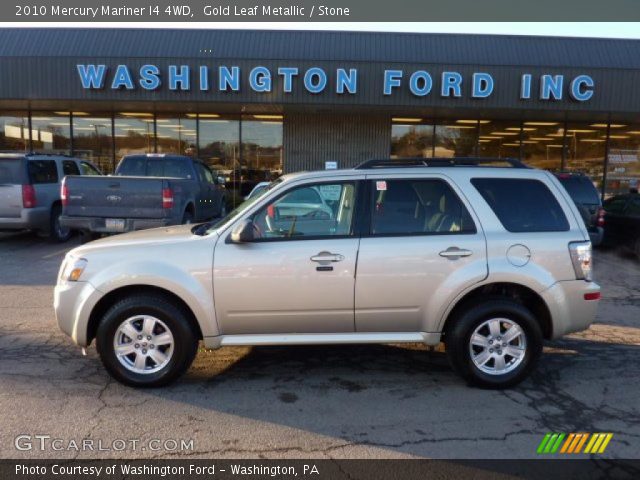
424, 243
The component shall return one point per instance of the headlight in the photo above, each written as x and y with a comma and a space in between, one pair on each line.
73, 269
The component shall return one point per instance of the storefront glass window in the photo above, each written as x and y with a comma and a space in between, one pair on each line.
14, 131
542, 143
133, 134
623, 169
219, 142
93, 140
51, 132
499, 139
409, 139
456, 138
176, 134
585, 150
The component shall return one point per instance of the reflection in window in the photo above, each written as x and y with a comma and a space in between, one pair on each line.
262, 145
133, 133
456, 138
176, 134
219, 142
542, 144
585, 147
499, 139
623, 169
93, 140
14, 131
51, 132
412, 140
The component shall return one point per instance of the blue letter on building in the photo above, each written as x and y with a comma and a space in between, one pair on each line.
149, 79
90, 76
122, 78
287, 77
182, 78
482, 85
451, 82
204, 78
391, 80
348, 81
420, 77
582, 88
525, 87
229, 79
551, 86
317, 86
260, 79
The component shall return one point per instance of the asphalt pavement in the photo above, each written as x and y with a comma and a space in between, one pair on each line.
365, 401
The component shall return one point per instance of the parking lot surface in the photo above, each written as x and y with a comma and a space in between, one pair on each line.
320, 402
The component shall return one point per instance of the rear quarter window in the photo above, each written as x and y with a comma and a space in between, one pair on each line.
581, 190
42, 171
522, 205
11, 170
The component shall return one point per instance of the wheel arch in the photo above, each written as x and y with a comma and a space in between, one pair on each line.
512, 291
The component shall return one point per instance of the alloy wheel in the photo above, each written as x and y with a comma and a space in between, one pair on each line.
497, 346
143, 344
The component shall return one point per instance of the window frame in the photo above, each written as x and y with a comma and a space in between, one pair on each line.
371, 200
356, 220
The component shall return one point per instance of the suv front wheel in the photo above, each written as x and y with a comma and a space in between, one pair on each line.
146, 341
494, 344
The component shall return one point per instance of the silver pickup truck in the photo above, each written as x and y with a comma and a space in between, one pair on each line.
30, 191
147, 191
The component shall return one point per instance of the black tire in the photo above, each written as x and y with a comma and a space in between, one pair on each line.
223, 208
58, 233
86, 236
185, 339
187, 218
464, 323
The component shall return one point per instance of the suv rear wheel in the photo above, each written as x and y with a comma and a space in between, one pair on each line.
146, 341
494, 344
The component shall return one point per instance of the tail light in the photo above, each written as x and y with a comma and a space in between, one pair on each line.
64, 193
581, 259
167, 198
600, 219
28, 196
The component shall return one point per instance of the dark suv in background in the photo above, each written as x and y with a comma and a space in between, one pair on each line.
623, 222
586, 197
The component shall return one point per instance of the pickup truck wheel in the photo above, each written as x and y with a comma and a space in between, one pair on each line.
57, 232
146, 341
494, 344
223, 208
187, 218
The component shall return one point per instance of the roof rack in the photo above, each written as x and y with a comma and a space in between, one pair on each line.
439, 162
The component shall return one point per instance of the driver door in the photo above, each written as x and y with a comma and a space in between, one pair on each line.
298, 275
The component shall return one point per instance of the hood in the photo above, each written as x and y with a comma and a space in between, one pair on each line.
153, 236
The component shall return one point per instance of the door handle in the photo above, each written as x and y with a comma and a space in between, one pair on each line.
323, 257
453, 253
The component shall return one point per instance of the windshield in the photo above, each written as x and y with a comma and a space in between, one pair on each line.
209, 227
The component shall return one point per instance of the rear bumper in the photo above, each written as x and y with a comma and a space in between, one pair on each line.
97, 224
73, 303
30, 219
570, 312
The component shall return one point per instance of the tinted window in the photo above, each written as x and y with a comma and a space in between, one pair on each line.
522, 205
205, 173
634, 208
11, 170
293, 215
615, 204
406, 207
69, 167
42, 171
580, 189
88, 169
132, 166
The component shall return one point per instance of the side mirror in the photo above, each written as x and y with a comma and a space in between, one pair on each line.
242, 232
221, 180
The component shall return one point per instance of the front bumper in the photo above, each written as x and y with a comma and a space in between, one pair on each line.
73, 303
30, 219
97, 224
570, 312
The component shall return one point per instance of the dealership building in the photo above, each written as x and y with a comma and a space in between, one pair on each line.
255, 104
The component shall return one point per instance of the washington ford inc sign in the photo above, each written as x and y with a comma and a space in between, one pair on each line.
315, 80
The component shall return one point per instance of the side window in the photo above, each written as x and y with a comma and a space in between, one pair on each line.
418, 207
69, 167
42, 171
522, 205
615, 204
88, 169
319, 210
205, 173
177, 167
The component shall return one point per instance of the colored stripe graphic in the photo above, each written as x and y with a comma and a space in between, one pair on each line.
574, 443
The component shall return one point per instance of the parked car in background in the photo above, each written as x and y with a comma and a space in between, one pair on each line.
30, 191
587, 198
490, 261
623, 222
147, 191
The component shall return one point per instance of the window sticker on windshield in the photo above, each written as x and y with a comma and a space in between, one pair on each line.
330, 192
381, 185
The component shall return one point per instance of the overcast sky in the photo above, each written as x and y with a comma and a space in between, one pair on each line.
575, 29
